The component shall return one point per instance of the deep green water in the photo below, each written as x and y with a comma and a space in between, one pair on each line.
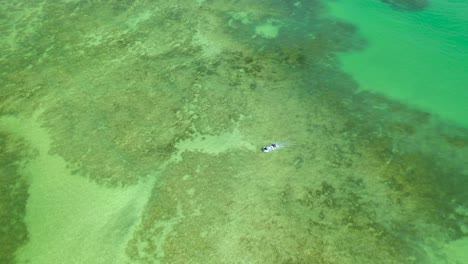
130, 131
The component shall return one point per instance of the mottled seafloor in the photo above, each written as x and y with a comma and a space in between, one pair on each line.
130, 132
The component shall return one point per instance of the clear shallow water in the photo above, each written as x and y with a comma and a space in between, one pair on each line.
130, 132
417, 57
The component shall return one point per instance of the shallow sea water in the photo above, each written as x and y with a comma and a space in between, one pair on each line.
130, 131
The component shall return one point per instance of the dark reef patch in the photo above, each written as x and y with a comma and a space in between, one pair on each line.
116, 137
13, 197
410, 5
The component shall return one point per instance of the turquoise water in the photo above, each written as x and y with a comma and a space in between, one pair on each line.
131, 132
419, 58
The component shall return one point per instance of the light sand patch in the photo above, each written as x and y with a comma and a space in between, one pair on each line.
269, 29
213, 144
69, 218
456, 250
